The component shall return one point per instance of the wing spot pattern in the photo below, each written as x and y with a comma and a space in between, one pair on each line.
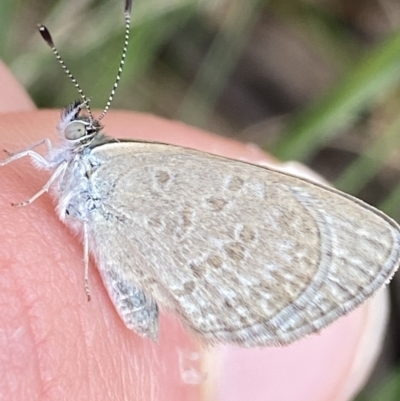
198, 270
235, 184
189, 287
216, 204
162, 177
215, 261
247, 235
235, 251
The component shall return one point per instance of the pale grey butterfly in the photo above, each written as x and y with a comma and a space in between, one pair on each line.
242, 254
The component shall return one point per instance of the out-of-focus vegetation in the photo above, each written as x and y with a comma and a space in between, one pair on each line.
317, 81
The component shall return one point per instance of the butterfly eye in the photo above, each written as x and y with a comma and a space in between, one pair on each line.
75, 130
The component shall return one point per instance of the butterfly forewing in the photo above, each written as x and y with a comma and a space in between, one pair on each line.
242, 253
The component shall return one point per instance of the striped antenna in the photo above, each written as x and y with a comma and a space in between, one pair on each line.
49, 40
127, 11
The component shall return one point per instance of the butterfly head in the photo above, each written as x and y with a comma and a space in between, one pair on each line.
76, 129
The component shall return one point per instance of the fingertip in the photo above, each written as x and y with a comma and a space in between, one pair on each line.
331, 365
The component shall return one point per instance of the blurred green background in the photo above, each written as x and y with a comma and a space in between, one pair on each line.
311, 80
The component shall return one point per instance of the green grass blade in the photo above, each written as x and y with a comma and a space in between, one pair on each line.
218, 64
371, 161
362, 86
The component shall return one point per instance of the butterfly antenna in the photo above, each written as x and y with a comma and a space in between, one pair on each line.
127, 11
49, 40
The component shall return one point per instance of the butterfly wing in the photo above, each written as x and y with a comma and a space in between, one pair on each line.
138, 311
243, 254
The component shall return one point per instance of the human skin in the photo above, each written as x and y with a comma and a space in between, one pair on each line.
54, 345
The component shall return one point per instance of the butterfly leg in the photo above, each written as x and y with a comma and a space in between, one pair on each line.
29, 152
86, 260
41, 161
59, 170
